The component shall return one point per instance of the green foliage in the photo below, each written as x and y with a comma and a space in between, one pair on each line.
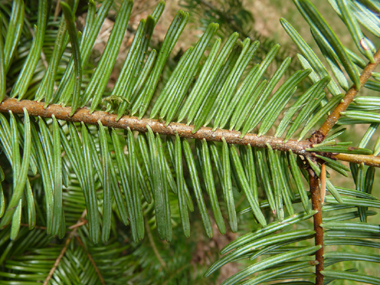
98, 201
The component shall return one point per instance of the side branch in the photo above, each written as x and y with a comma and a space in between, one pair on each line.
370, 160
348, 98
184, 131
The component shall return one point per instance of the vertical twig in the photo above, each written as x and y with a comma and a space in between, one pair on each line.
317, 205
318, 137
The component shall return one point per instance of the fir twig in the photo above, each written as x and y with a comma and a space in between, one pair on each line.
184, 131
135, 124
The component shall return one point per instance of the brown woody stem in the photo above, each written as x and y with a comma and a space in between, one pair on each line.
370, 160
348, 98
185, 131
317, 205
135, 124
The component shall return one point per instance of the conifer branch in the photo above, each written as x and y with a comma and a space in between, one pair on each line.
232, 137
223, 93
